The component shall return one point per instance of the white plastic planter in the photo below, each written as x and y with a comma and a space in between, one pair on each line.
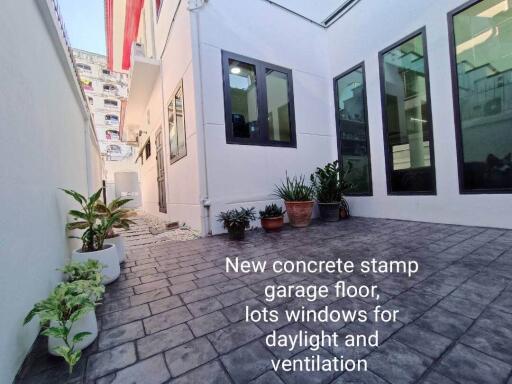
107, 256
118, 241
87, 323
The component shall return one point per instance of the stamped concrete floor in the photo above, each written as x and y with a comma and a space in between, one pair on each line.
175, 316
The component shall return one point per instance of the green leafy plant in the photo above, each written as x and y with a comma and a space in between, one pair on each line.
237, 218
271, 211
68, 303
87, 219
294, 189
89, 270
114, 214
329, 183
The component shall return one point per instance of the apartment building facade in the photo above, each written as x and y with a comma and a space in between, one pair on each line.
225, 97
106, 91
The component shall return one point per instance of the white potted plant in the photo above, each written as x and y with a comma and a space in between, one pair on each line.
96, 227
118, 216
67, 317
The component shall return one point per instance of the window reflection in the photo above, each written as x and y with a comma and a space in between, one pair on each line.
244, 99
351, 110
407, 118
483, 48
278, 106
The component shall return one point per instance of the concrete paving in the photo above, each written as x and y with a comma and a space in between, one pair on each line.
175, 316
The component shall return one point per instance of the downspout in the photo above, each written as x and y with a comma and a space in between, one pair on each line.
201, 133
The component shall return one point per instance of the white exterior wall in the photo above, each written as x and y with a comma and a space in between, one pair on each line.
359, 36
245, 175
45, 141
173, 45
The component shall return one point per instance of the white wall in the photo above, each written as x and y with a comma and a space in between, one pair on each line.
44, 137
359, 36
244, 175
174, 49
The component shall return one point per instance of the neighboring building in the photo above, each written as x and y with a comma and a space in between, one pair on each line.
106, 91
47, 142
226, 96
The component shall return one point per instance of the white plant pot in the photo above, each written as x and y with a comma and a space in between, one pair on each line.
87, 323
107, 256
118, 241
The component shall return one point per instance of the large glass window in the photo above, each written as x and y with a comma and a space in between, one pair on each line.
354, 150
482, 72
407, 118
177, 134
258, 98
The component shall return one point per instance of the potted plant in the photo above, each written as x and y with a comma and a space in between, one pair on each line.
329, 184
298, 199
272, 218
89, 270
119, 218
236, 221
96, 227
67, 317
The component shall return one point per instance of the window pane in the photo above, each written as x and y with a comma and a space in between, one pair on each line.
244, 99
351, 110
173, 137
180, 123
407, 118
483, 42
278, 106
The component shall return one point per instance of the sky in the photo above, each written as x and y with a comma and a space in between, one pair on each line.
85, 24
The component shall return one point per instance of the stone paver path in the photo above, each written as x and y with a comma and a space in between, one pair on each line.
175, 316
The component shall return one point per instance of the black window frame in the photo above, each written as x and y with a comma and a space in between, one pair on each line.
456, 107
111, 103
338, 125
147, 148
261, 99
423, 33
173, 97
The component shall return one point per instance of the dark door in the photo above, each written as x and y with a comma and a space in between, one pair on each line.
160, 172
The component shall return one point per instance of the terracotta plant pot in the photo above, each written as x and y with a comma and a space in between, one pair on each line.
236, 233
299, 212
272, 224
329, 211
343, 213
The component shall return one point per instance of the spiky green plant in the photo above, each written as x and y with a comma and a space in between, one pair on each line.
237, 219
294, 189
271, 210
68, 303
329, 183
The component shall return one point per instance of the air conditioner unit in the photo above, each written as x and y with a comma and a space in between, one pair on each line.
138, 49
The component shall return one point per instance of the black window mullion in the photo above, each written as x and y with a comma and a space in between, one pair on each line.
262, 103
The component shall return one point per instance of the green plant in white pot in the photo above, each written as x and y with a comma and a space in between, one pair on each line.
119, 218
95, 228
67, 317
329, 184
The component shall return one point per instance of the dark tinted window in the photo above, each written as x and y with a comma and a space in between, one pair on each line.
407, 121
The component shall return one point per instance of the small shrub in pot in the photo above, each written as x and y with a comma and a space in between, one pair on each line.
329, 184
298, 199
67, 317
95, 228
272, 218
118, 217
236, 221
